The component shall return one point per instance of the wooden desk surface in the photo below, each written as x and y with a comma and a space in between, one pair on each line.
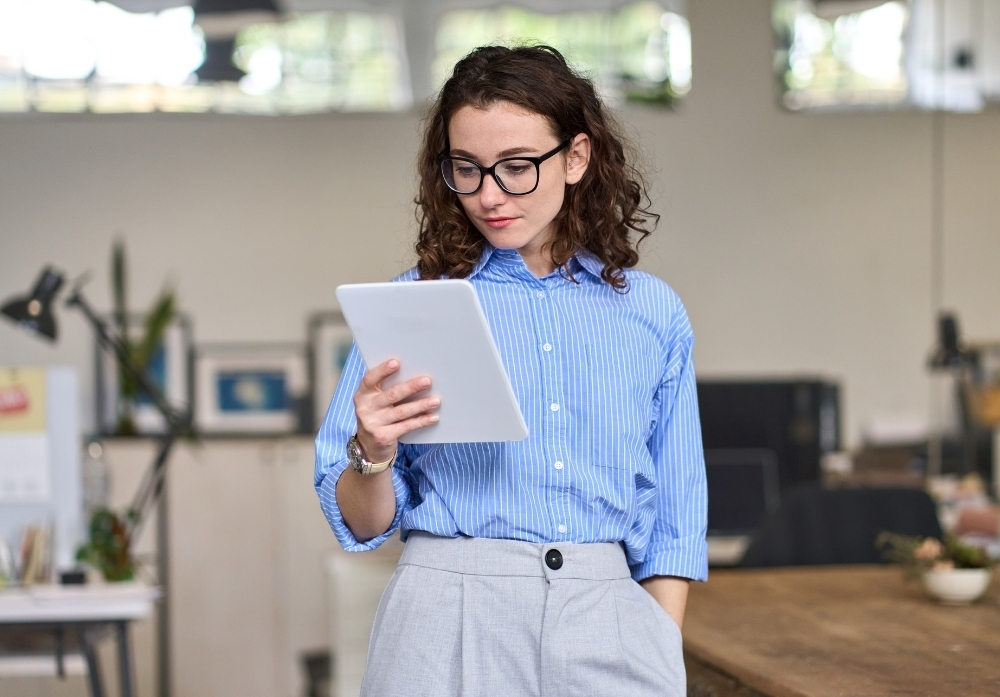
844, 631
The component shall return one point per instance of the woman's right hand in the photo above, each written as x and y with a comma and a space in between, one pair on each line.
383, 417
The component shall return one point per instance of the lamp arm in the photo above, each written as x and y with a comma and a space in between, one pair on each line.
177, 423
149, 488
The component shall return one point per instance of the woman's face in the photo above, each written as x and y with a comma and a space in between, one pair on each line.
524, 223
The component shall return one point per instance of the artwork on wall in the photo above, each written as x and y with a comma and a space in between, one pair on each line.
330, 343
251, 388
24, 442
169, 368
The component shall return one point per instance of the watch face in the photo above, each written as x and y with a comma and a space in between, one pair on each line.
354, 454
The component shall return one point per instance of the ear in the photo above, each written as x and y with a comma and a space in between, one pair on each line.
577, 158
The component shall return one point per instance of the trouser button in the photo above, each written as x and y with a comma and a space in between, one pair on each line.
553, 559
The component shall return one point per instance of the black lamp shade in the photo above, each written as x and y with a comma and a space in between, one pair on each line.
204, 7
949, 352
218, 65
34, 312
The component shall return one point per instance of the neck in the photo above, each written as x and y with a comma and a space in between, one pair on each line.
538, 263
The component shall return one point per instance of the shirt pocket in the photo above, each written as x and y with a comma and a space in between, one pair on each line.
619, 393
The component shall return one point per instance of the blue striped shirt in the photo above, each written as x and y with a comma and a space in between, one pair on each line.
614, 454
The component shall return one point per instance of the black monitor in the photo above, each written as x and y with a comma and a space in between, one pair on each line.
799, 420
742, 489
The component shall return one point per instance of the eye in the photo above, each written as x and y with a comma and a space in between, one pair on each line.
466, 170
517, 168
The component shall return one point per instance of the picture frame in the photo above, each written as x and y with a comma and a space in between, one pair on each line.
330, 342
251, 389
170, 370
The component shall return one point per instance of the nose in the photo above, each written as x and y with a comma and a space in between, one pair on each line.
490, 194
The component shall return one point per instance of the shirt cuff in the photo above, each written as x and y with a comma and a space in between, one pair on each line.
328, 500
686, 557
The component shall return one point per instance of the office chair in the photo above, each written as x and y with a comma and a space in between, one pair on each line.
815, 525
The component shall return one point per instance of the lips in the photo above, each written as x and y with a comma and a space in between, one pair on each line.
498, 223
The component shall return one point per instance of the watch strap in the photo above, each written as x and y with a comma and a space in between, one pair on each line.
356, 457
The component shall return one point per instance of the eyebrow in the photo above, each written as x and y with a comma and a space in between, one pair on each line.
509, 152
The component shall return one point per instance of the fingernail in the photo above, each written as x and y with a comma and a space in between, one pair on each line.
393, 363
424, 382
434, 418
435, 401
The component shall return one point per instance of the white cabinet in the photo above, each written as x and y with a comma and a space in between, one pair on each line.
248, 545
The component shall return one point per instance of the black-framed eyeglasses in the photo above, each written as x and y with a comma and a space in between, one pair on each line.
515, 175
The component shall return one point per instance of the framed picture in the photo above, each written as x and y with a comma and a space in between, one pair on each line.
169, 369
330, 342
250, 388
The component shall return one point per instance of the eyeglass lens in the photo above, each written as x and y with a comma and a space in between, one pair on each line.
515, 176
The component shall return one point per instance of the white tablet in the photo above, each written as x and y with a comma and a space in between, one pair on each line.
437, 328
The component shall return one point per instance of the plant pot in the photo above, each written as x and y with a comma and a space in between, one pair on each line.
957, 586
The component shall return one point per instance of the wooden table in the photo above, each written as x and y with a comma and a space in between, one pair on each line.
837, 631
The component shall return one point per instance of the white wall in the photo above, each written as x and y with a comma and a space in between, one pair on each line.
800, 243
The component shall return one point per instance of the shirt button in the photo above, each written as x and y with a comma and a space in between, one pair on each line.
546, 347
558, 465
554, 407
553, 559
561, 528
540, 294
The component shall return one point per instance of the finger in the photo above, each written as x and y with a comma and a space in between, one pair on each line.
377, 418
408, 410
374, 418
374, 377
401, 428
398, 393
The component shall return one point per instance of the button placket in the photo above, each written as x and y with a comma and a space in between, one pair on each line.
546, 329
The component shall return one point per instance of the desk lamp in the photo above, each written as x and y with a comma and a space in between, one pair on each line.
949, 354
962, 362
33, 313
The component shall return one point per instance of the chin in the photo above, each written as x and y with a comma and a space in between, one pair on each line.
502, 239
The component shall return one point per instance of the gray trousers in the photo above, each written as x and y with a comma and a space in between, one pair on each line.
481, 618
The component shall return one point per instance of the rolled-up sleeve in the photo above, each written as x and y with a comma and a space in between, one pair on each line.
677, 545
331, 459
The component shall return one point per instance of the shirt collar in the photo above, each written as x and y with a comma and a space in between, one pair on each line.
583, 260
589, 262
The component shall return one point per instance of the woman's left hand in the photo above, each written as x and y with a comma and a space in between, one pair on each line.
671, 593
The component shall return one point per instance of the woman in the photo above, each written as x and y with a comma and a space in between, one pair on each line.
522, 564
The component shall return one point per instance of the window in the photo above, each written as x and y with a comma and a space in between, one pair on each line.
640, 53
90, 56
931, 54
837, 61
347, 61
80, 55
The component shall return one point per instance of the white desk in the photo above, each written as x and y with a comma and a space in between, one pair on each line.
84, 610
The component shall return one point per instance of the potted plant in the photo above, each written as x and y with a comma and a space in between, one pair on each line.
952, 571
108, 547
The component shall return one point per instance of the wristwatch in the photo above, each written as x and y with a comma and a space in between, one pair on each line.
356, 458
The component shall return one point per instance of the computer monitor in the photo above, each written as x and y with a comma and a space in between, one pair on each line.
798, 419
742, 489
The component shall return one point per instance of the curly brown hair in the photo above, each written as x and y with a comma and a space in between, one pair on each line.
601, 213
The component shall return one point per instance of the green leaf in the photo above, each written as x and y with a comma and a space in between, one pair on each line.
155, 325
119, 290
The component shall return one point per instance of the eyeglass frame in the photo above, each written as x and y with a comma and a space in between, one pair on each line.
491, 170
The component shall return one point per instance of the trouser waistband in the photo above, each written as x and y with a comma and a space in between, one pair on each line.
599, 561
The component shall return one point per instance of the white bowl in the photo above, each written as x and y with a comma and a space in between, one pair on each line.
957, 586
